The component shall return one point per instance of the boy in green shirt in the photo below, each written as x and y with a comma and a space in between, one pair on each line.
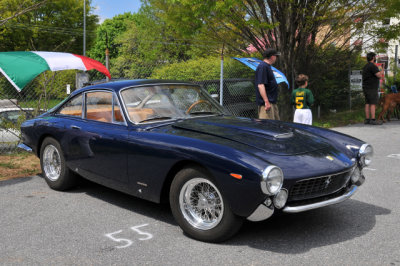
303, 99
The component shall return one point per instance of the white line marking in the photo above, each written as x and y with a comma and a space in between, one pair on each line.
371, 169
396, 156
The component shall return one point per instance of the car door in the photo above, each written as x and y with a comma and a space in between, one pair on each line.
96, 144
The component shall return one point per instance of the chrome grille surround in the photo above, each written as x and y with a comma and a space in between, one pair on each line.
319, 186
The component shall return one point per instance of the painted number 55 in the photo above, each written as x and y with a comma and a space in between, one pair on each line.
127, 242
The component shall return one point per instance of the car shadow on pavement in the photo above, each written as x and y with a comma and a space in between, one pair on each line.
134, 204
299, 233
282, 233
13, 181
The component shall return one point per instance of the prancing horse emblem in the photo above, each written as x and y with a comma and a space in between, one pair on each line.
328, 181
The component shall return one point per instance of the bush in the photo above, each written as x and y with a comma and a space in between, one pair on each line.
202, 69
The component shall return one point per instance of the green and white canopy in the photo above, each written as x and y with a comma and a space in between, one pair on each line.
22, 67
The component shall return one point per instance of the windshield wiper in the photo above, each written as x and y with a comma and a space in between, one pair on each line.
203, 113
156, 118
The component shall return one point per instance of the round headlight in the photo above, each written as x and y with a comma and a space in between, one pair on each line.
280, 199
366, 152
272, 179
356, 175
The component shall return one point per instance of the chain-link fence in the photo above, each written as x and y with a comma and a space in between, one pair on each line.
234, 89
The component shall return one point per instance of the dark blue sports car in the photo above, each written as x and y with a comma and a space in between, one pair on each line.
170, 141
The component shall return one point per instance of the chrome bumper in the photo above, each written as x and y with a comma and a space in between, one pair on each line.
24, 147
262, 212
303, 208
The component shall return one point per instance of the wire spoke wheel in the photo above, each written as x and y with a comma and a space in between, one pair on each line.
51, 162
201, 203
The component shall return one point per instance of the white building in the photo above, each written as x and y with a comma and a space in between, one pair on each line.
367, 41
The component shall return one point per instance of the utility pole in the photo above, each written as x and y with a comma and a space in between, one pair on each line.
395, 64
84, 27
221, 78
107, 56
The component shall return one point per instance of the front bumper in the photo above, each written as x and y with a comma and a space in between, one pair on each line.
312, 206
24, 147
266, 209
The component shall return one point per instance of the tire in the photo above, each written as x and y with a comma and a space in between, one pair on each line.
57, 175
207, 216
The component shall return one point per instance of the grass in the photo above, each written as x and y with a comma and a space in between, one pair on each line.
19, 164
339, 119
9, 165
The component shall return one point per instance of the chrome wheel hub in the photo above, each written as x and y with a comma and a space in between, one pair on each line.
51, 162
201, 203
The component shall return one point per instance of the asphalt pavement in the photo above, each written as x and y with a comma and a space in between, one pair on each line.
94, 225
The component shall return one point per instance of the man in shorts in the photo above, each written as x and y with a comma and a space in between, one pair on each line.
370, 85
266, 87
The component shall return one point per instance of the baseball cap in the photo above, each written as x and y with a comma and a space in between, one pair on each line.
270, 52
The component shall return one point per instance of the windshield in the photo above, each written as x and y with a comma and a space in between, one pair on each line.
163, 102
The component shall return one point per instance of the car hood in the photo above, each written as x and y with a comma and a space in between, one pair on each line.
270, 136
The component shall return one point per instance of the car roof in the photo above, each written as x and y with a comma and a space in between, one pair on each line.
121, 84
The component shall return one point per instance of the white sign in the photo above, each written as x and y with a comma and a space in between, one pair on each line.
68, 89
356, 80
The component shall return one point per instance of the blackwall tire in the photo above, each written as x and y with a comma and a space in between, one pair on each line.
199, 207
54, 169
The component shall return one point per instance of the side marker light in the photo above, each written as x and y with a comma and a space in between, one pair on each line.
237, 176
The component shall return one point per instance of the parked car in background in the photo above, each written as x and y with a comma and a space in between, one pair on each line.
238, 95
9, 126
171, 141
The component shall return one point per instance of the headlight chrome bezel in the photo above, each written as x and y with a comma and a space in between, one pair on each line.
267, 178
365, 155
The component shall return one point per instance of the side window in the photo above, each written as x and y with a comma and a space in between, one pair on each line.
117, 111
99, 106
73, 107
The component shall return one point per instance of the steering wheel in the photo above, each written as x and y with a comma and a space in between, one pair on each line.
196, 103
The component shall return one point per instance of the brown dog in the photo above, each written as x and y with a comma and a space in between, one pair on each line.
389, 102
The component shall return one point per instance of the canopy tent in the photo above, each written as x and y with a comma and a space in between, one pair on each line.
22, 67
254, 62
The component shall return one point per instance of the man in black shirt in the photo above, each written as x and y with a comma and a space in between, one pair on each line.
370, 85
266, 87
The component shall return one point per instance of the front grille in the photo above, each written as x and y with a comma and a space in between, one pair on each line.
319, 186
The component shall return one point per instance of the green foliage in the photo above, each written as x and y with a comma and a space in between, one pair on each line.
55, 26
106, 35
329, 75
55, 83
149, 42
202, 69
338, 119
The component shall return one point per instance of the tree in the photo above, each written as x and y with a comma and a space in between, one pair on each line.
56, 25
107, 34
291, 26
7, 14
149, 43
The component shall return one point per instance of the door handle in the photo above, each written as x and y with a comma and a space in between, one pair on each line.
75, 127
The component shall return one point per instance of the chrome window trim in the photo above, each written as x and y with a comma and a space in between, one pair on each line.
57, 112
112, 106
148, 85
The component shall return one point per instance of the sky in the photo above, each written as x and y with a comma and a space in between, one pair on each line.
109, 8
